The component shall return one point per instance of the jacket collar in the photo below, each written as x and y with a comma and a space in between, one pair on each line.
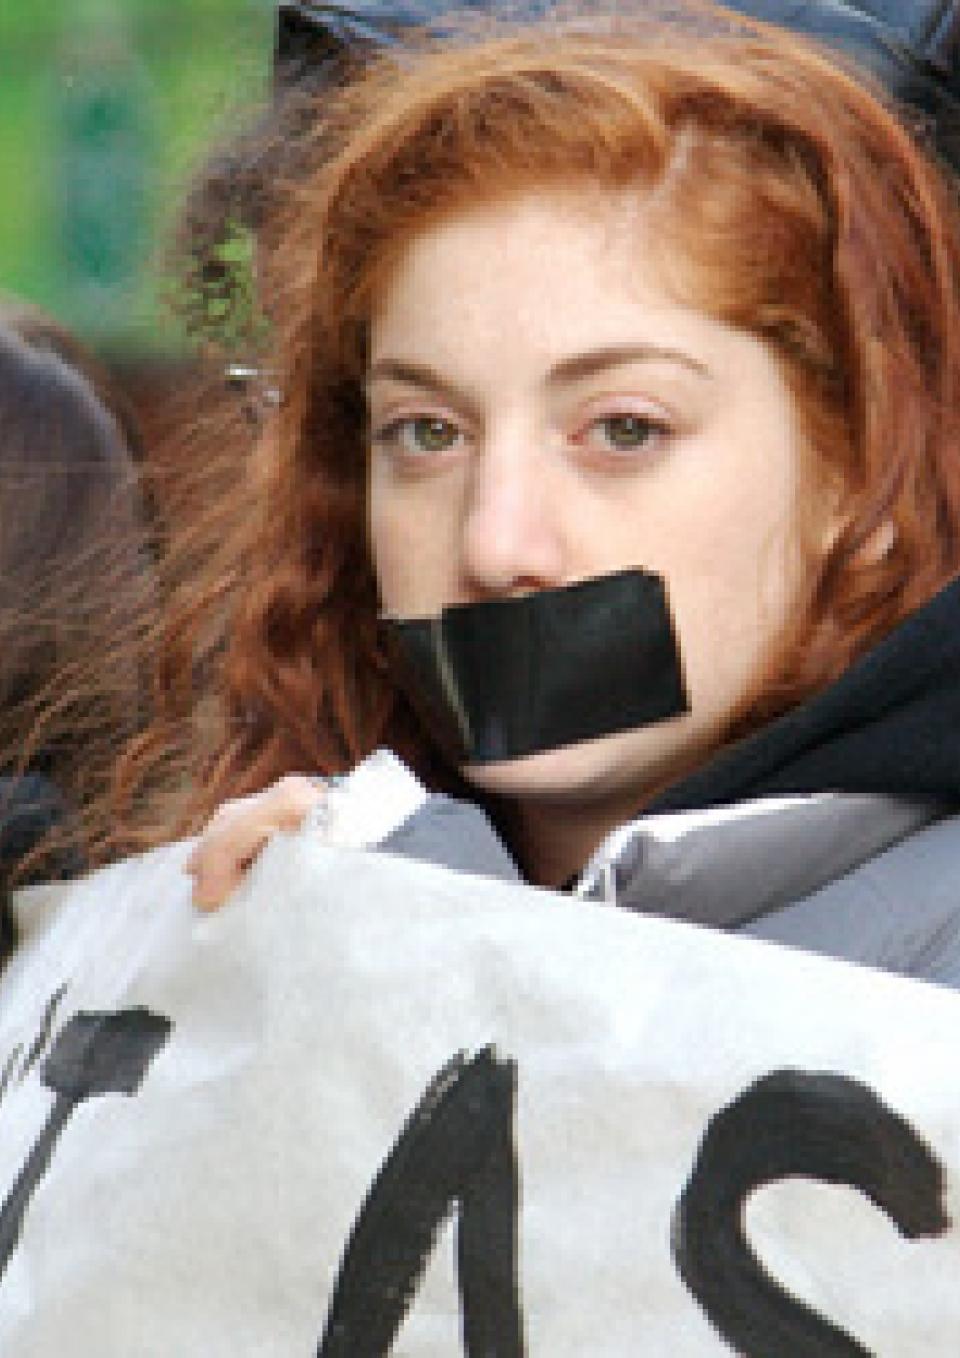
724, 866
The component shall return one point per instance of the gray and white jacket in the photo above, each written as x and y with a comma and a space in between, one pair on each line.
870, 879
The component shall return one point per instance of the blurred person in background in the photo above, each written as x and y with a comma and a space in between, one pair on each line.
43, 332
75, 577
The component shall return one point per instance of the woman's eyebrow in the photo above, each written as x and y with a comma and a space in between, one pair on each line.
418, 375
596, 361
567, 370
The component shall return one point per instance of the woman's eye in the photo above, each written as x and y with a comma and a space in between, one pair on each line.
420, 434
625, 433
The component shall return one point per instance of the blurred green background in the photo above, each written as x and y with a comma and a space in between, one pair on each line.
105, 106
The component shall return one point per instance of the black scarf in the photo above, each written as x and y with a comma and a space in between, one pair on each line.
890, 724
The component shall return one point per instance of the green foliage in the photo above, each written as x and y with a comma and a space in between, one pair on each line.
106, 106
215, 298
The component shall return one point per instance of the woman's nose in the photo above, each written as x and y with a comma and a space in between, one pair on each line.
511, 531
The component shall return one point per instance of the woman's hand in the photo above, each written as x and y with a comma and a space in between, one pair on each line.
238, 830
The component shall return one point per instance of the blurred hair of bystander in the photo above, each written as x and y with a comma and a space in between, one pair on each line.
76, 581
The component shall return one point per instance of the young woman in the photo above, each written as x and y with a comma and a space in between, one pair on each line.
569, 299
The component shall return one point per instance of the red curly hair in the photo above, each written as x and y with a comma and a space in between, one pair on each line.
799, 208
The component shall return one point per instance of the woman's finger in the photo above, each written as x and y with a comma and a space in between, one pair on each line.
237, 832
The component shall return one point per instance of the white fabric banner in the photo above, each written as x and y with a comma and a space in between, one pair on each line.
214, 1138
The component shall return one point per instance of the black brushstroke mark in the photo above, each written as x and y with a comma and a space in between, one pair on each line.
40, 1043
9, 1067
788, 1124
46, 1029
456, 1147
94, 1054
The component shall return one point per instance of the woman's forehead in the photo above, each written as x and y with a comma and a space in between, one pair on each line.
564, 273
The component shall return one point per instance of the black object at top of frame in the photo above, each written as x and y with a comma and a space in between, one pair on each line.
911, 46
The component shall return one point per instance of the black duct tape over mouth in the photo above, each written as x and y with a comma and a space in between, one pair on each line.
505, 678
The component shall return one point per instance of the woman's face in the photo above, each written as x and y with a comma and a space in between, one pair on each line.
542, 411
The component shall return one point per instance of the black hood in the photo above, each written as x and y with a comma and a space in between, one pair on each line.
890, 725
911, 46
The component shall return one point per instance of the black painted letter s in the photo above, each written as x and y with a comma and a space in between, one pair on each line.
794, 1123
